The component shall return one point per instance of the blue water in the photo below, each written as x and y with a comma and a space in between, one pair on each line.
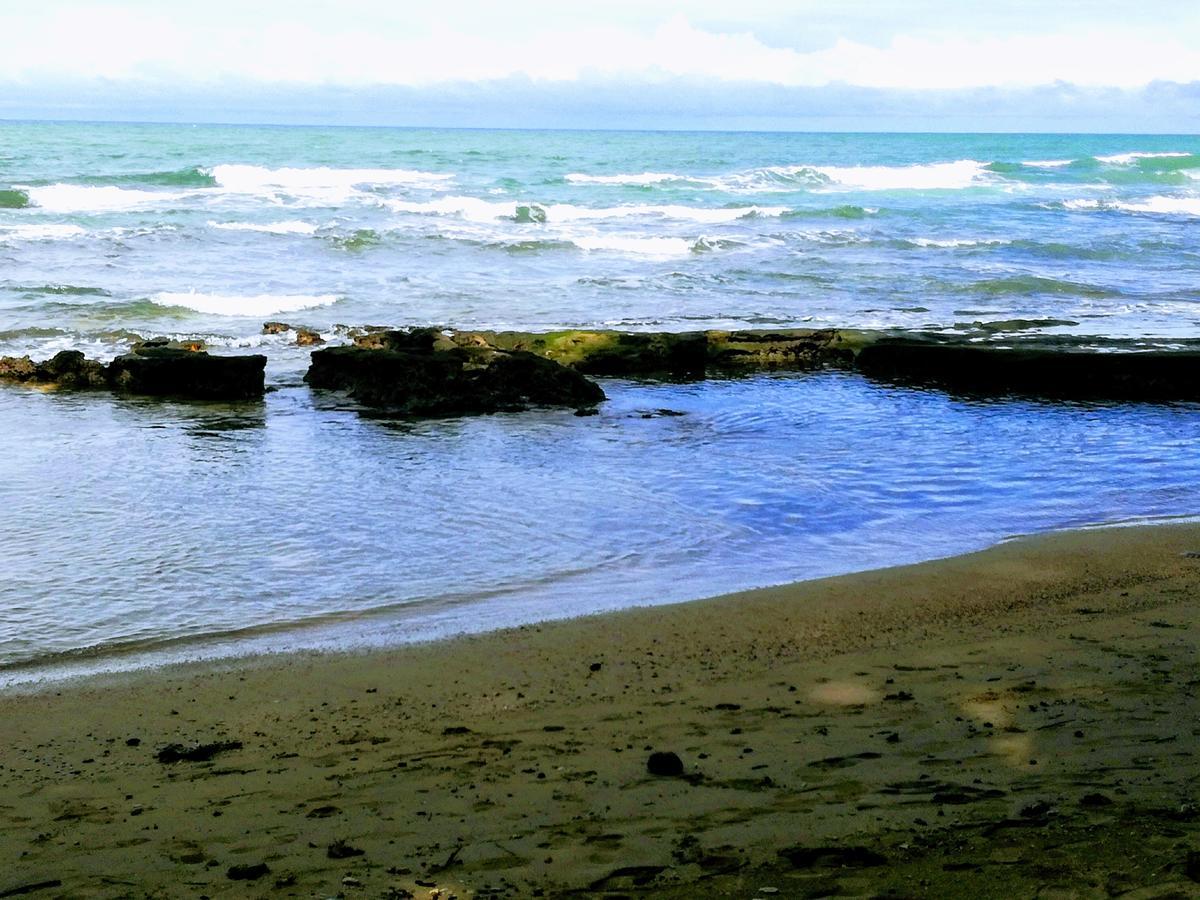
145, 524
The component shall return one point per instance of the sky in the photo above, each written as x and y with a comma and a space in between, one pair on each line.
1089, 65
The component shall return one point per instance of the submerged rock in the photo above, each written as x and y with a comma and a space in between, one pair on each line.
423, 373
162, 368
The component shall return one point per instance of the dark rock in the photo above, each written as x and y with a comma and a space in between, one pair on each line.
421, 373
412, 340
307, 337
1036, 370
173, 753
1095, 801
157, 368
275, 327
664, 764
247, 872
69, 368
339, 849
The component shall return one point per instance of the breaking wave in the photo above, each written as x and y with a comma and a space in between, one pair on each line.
13, 199
289, 227
76, 198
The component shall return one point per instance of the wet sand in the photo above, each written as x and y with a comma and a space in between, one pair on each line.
1017, 722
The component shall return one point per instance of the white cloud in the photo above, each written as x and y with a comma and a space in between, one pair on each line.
127, 43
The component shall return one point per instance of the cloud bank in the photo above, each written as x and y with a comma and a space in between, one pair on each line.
917, 65
130, 43
613, 104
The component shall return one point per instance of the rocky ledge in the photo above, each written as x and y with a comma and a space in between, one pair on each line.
424, 372
159, 368
1063, 368
1050, 369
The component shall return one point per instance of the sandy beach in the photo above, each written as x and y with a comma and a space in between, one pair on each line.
1016, 722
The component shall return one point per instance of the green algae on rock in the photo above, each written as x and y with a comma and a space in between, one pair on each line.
424, 373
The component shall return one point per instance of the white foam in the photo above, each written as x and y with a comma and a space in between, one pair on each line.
959, 242
644, 178
921, 176
660, 247
293, 226
963, 173
471, 208
1164, 206
1124, 159
1170, 206
37, 231
257, 305
321, 184
68, 198
1047, 163
564, 212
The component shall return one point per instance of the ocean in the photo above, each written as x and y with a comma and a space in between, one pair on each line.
142, 531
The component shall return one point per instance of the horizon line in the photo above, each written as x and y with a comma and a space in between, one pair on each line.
4, 120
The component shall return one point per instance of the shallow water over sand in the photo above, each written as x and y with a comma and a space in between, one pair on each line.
135, 523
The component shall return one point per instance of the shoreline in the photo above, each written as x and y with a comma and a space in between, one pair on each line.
341, 633
500, 763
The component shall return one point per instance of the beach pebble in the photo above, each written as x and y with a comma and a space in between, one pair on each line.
248, 872
666, 764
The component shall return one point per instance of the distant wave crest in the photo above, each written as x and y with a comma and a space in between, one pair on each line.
645, 178
256, 305
1168, 206
477, 210
321, 182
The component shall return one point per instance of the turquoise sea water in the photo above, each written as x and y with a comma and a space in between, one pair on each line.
138, 524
